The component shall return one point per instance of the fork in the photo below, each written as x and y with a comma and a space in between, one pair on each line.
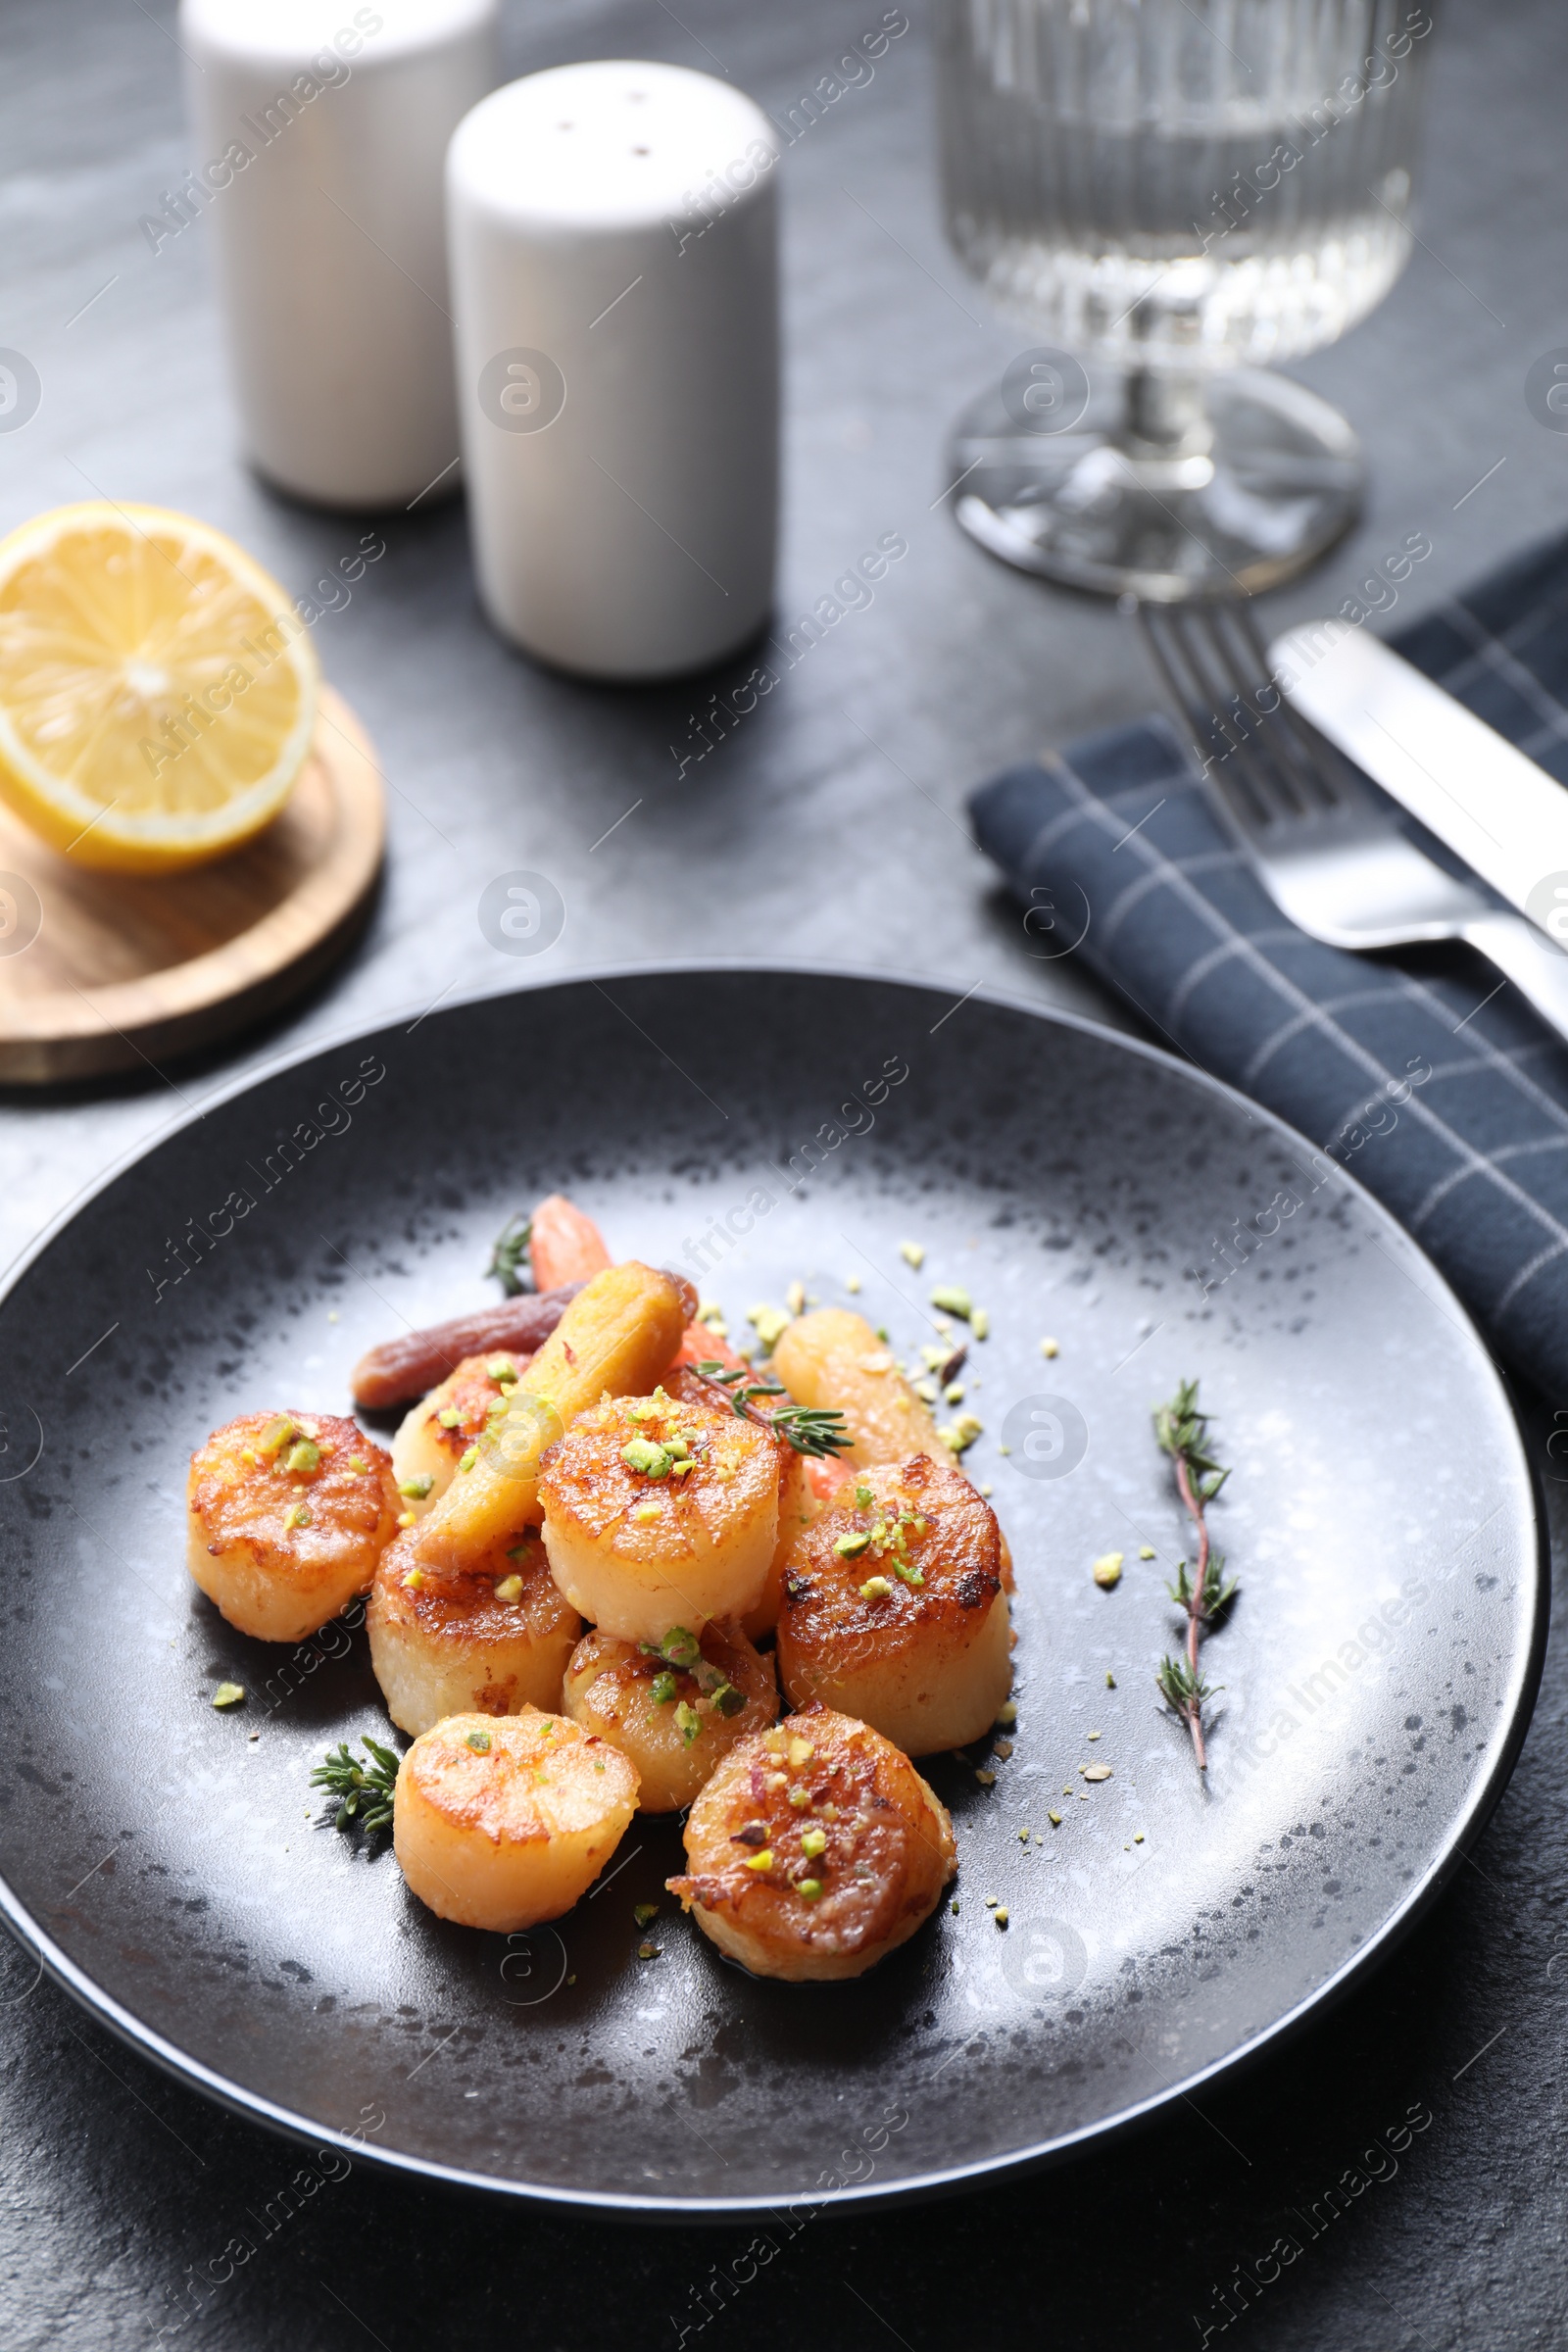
1325, 844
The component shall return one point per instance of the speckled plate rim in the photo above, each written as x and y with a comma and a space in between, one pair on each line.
1451, 1849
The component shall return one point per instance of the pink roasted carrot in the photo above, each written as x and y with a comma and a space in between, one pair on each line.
563, 1244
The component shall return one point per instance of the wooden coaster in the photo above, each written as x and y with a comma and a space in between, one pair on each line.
126, 969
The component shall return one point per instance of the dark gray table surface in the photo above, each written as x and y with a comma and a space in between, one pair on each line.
829, 828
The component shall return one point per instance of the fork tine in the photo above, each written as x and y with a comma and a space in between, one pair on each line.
1288, 774
1337, 777
1189, 693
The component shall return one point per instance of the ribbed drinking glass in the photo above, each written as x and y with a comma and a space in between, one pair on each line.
1171, 194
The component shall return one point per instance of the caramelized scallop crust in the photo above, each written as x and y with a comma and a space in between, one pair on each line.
893, 1608
814, 1850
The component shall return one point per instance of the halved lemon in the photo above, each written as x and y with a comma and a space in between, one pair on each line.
157, 688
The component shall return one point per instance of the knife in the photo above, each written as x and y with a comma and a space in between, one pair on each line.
1467, 784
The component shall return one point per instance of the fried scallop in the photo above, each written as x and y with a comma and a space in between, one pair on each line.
798, 1500
288, 1514
435, 1434
660, 1513
894, 1608
833, 1358
502, 1821
814, 1850
676, 1712
489, 1641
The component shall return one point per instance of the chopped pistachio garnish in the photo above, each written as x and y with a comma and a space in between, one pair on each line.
927, 1391
1138, 1837
501, 1367
1008, 1714
774, 1782
794, 1298
811, 1889
469, 1459
645, 1513
276, 1435
958, 1436
297, 1514
1093, 1734
649, 1951
769, 1323
642, 1454
908, 1575
510, 1589
761, 1861
413, 1581
479, 1741
1002, 1749
1106, 1570
407, 1518
813, 1842
357, 1461
642, 1913
800, 1798
419, 1486
952, 1300
1024, 1836
991, 1902
248, 1457
862, 1494
980, 1323
229, 1694
953, 1393
449, 1416
678, 1648
875, 1587
775, 1743
663, 1687
1054, 1819
1000, 1915
801, 1750
987, 1780
851, 1547
1145, 1551
1111, 1680
1049, 1348
687, 1721
912, 1254
303, 1457
852, 1283
1095, 1772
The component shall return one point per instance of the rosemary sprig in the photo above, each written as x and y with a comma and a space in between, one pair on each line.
816, 1429
1181, 1431
507, 1256
364, 1790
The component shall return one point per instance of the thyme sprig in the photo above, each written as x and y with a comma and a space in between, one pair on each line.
509, 1253
364, 1790
1203, 1595
810, 1428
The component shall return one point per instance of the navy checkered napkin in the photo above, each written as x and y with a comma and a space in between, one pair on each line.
1453, 1111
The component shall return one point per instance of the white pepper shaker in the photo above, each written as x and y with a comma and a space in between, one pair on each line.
322, 132
615, 278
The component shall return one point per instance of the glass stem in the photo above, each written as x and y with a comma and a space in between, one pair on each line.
1167, 415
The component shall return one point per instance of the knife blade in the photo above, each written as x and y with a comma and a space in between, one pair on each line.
1466, 783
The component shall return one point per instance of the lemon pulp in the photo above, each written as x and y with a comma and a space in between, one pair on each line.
156, 687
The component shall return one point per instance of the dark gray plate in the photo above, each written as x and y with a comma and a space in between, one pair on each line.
177, 1875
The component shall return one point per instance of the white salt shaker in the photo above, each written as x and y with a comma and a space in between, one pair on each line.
614, 281
320, 133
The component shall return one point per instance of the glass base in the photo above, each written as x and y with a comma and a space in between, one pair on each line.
1230, 487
